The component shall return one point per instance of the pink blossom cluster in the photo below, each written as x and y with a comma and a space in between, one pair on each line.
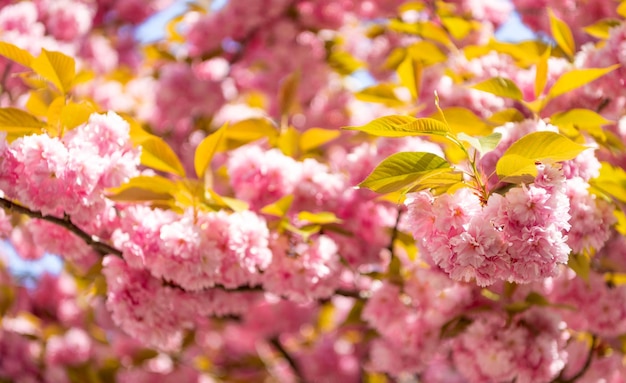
519, 237
75, 168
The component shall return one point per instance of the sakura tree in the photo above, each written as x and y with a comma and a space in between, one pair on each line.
314, 191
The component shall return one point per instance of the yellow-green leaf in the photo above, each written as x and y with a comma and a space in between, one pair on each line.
207, 149
541, 76
426, 52
482, 144
75, 114
227, 202
316, 137
426, 29
380, 93
582, 118
143, 188
602, 28
577, 78
581, 264
461, 119
17, 123
246, 131
14, 53
280, 207
611, 181
321, 218
621, 9
55, 67
402, 126
157, 154
519, 159
562, 34
288, 94
410, 75
458, 27
503, 116
401, 170
500, 86
288, 141
439, 182
344, 63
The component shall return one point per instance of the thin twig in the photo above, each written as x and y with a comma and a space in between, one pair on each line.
585, 367
290, 360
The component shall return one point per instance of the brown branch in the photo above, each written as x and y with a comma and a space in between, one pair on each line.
94, 242
288, 358
583, 370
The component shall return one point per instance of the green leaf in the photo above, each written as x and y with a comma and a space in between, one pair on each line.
401, 170
316, 137
518, 161
55, 67
157, 154
14, 53
562, 34
246, 131
380, 94
500, 86
577, 78
579, 117
439, 182
482, 144
207, 149
280, 207
321, 218
454, 327
402, 126
17, 123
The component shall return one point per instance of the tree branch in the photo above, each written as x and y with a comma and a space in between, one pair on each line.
94, 242
585, 367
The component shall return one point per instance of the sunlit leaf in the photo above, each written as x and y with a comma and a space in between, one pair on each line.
426, 29
55, 67
503, 116
380, 93
541, 76
602, 28
316, 137
401, 126
143, 189
501, 87
17, 123
612, 181
463, 120
458, 27
577, 78
14, 53
520, 158
562, 34
74, 114
207, 149
426, 52
402, 169
321, 218
410, 75
343, 62
621, 9
157, 154
280, 207
482, 144
246, 131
